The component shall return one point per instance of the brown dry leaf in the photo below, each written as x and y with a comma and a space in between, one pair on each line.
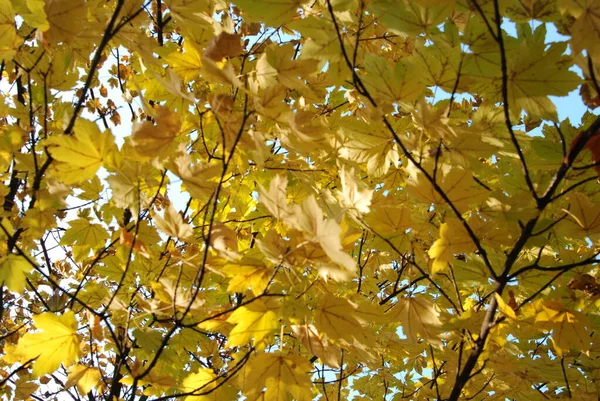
589, 96
585, 283
221, 103
593, 145
224, 45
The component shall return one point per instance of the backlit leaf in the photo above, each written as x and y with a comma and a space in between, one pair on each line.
57, 343
284, 376
255, 322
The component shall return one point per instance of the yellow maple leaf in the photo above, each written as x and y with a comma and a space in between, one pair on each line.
277, 13
57, 343
389, 219
275, 198
25, 386
455, 182
82, 154
418, 318
173, 225
256, 321
224, 240
187, 65
504, 308
8, 33
325, 232
33, 13
277, 65
537, 70
285, 377
350, 195
155, 382
85, 377
338, 318
454, 239
585, 216
67, 18
584, 29
207, 385
152, 140
367, 143
392, 83
318, 345
12, 272
250, 273
569, 328
196, 178
410, 17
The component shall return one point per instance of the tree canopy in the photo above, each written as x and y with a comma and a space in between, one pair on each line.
299, 200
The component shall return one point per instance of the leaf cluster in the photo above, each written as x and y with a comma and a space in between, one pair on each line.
298, 200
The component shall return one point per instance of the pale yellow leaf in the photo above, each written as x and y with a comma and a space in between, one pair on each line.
418, 318
173, 225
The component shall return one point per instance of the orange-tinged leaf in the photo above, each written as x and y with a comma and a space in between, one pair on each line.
593, 145
224, 45
129, 240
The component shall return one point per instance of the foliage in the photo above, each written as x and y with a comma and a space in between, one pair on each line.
315, 200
